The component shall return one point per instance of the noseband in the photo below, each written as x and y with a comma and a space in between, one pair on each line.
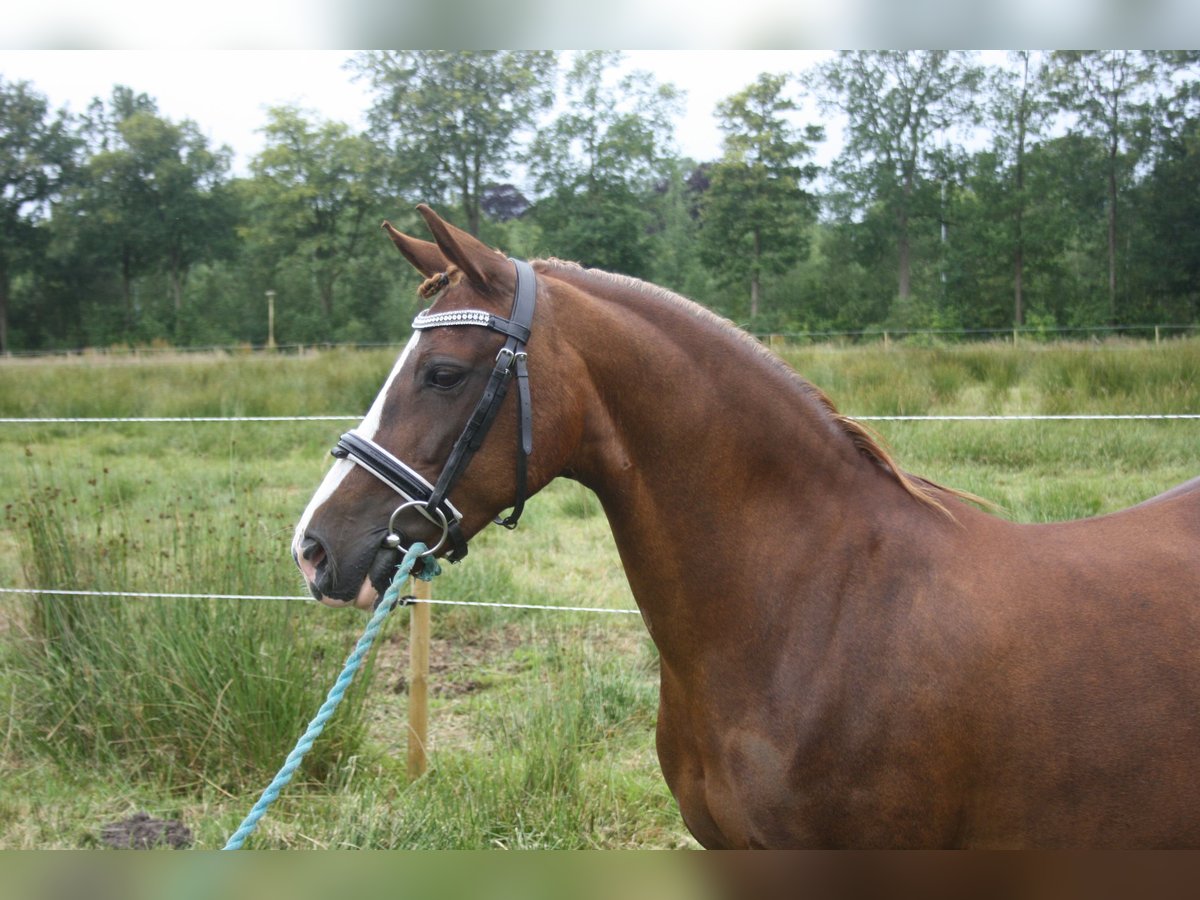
431, 499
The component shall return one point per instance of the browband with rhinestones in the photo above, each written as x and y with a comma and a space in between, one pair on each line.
426, 319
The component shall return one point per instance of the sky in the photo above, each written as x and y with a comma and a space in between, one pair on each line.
228, 92
474, 24
223, 63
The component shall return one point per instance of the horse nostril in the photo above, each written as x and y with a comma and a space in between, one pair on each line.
312, 550
312, 560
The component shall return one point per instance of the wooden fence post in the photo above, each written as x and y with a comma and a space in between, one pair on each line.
418, 681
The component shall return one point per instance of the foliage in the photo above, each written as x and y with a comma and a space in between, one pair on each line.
1108, 90
899, 103
1168, 247
36, 154
155, 198
598, 164
1053, 188
1020, 109
755, 211
450, 118
313, 201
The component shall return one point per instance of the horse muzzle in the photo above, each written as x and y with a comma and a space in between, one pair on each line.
357, 574
322, 575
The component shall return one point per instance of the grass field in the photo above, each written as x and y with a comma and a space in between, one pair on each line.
541, 723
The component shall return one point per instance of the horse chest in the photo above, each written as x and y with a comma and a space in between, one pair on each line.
727, 795
756, 795
753, 776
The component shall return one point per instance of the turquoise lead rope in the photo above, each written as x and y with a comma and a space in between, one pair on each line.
388, 602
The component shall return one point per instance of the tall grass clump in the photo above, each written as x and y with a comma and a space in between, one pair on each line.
185, 692
329, 382
1133, 379
1000, 378
550, 771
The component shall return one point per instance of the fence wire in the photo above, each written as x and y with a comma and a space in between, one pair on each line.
1016, 417
164, 595
81, 420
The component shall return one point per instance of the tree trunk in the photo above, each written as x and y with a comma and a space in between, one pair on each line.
1019, 240
175, 281
754, 276
1018, 280
325, 290
903, 253
1019, 212
472, 216
1114, 146
470, 204
127, 288
3, 311
476, 192
1112, 237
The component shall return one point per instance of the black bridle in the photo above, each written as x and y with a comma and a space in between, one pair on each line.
431, 500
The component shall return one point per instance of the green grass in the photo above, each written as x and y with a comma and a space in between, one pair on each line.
183, 693
541, 723
998, 379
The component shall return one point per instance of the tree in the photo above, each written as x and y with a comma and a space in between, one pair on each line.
503, 202
596, 166
102, 210
1020, 110
755, 211
898, 104
1107, 90
35, 152
153, 193
451, 118
316, 194
1167, 247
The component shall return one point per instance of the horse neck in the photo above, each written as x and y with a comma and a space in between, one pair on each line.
708, 455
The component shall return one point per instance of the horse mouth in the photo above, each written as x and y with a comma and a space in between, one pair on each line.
330, 586
365, 599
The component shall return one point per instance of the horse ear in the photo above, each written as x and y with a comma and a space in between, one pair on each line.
425, 256
483, 266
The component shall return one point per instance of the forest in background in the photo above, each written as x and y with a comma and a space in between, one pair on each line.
1060, 189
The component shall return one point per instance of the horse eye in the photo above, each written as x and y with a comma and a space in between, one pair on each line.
444, 379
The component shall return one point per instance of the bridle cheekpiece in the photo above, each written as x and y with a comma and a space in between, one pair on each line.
431, 500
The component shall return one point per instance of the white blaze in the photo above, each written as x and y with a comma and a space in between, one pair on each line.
368, 428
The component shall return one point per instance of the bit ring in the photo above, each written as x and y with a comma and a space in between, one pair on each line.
393, 538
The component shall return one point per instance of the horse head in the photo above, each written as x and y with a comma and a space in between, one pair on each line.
392, 484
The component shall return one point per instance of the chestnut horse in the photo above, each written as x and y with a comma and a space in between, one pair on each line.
896, 666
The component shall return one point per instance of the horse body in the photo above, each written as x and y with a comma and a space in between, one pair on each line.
849, 656
931, 697
913, 678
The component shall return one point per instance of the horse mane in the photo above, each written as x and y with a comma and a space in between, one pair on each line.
866, 441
